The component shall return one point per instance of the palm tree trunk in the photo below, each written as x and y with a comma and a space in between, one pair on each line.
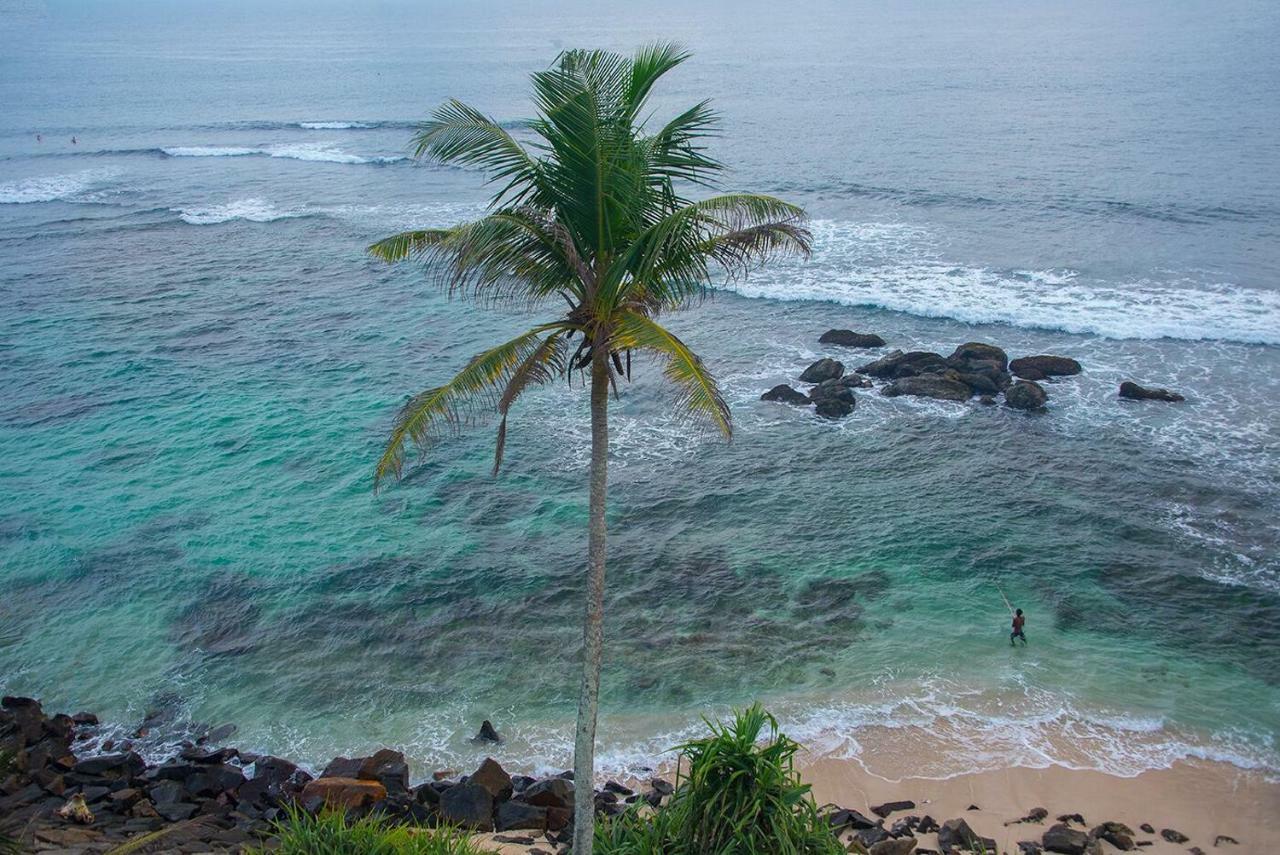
584, 748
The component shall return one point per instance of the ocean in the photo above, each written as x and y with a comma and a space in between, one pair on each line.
199, 364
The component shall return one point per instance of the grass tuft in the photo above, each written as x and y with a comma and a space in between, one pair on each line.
737, 793
331, 833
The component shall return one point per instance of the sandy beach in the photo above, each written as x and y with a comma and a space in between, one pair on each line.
1201, 800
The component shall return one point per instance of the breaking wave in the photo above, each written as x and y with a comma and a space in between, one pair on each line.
50, 188
895, 266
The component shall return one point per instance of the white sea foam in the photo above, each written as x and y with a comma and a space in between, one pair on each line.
252, 210
320, 152
898, 267
210, 151
51, 188
332, 126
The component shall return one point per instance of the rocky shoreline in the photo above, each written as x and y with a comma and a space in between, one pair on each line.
63, 790
974, 369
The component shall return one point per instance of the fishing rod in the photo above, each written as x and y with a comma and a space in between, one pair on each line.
1007, 605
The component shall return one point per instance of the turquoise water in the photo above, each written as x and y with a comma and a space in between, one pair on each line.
199, 365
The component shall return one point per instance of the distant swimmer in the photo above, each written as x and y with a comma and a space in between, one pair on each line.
1018, 622
73, 141
39, 138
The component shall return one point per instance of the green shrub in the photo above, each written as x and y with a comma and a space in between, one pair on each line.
736, 794
331, 833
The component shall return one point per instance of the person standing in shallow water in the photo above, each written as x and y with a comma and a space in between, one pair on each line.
1018, 622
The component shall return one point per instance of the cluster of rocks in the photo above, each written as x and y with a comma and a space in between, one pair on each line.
216, 798
905, 835
974, 369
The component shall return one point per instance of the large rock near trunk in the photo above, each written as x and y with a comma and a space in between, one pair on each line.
515, 815
344, 793
1026, 395
1134, 392
849, 338
929, 386
468, 805
784, 394
493, 778
823, 369
899, 364
1044, 366
553, 792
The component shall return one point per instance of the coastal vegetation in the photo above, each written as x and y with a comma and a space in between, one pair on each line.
332, 833
737, 790
593, 216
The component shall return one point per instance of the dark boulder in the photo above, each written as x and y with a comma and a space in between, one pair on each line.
849, 818
514, 815
1225, 838
786, 395
927, 825
177, 811
1148, 828
1173, 836
167, 792
553, 792
1134, 392
898, 364
1029, 847
493, 778
828, 389
662, 786
957, 833
213, 780
200, 754
900, 846
849, 338
487, 733
468, 805
1047, 366
1062, 838
928, 386
979, 384
388, 768
891, 807
869, 837
619, 789
1025, 395
833, 408
116, 766
1117, 834
975, 352
823, 369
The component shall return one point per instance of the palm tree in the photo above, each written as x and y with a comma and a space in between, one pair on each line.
589, 213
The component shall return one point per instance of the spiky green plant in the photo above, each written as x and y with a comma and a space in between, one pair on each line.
331, 833
737, 793
590, 217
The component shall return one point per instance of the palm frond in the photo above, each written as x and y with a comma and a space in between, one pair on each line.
459, 134
467, 397
400, 246
698, 394
543, 365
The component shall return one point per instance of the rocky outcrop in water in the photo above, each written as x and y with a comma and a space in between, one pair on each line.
1026, 395
929, 386
1133, 391
784, 394
1040, 367
849, 338
823, 369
